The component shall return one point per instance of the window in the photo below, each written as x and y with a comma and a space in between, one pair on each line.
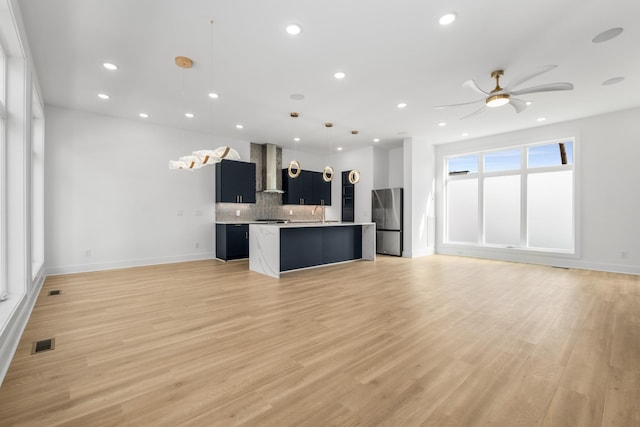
519, 197
37, 186
3, 191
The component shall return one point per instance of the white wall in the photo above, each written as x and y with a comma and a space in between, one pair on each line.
111, 200
419, 192
608, 207
396, 168
380, 168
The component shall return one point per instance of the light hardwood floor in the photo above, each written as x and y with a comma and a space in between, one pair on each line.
434, 341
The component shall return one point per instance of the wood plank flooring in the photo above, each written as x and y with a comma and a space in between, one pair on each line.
433, 341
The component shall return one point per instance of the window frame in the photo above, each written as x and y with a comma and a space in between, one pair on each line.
524, 172
4, 288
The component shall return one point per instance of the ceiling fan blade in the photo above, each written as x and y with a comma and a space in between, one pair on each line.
484, 107
517, 82
544, 88
471, 84
518, 104
440, 107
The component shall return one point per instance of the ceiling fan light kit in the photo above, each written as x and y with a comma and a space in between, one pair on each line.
501, 96
497, 100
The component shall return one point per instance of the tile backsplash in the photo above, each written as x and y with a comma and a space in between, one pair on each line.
267, 206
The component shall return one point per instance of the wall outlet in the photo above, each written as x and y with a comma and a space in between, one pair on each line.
180, 213
237, 212
87, 252
291, 212
624, 254
198, 213
196, 245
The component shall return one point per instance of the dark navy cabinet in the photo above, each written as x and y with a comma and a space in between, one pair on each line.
310, 246
297, 191
307, 189
321, 190
235, 182
232, 241
348, 198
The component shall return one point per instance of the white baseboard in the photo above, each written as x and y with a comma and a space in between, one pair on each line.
557, 261
113, 265
11, 334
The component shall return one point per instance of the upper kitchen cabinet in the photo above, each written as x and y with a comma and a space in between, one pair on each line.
307, 189
235, 182
297, 191
321, 190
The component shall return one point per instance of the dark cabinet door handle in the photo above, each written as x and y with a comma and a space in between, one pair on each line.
246, 235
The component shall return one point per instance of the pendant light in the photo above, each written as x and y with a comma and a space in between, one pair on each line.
327, 172
354, 174
294, 166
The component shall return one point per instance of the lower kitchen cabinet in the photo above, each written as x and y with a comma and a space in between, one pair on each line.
311, 246
232, 241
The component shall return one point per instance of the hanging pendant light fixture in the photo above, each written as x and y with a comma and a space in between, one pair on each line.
294, 165
199, 158
327, 172
354, 174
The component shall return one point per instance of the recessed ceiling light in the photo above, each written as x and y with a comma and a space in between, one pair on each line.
442, 124
376, 139
239, 126
103, 96
144, 115
296, 96
339, 148
528, 102
465, 134
189, 115
612, 81
293, 29
541, 119
607, 35
296, 139
447, 19
213, 95
340, 75
402, 105
110, 66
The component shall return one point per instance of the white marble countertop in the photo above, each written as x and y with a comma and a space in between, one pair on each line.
239, 222
312, 224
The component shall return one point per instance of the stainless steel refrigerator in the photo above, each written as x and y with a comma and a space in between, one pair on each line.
386, 212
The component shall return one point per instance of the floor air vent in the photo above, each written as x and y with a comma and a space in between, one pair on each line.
44, 345
56, 292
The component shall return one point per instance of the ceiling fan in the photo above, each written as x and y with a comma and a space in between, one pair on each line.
499, 96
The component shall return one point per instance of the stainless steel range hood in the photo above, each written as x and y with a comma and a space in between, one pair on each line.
271, 166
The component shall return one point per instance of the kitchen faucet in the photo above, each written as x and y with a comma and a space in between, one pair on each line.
313, 212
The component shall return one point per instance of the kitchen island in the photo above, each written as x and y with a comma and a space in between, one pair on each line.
278, 248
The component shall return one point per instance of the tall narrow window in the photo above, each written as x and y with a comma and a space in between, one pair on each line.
3, 184
37, 186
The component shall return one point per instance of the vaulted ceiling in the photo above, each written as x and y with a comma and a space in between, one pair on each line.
391, 52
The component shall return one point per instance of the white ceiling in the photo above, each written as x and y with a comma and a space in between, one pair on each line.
392, 51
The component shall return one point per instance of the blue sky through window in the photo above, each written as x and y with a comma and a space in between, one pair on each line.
464, 164
548, 155
507, 160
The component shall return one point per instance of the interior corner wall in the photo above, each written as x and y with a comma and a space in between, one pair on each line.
419, 195
607, 205
111, 200
396, 174
381, 168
